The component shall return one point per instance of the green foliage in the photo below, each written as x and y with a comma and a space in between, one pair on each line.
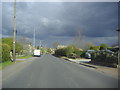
38, 47
9, 41
49, 50
43, 51
72, 55
103, 46
96, 48
60, 52
0, 52
24, 57
105, 56
5, 64
70, 51
78, 53
5, 52
82, 55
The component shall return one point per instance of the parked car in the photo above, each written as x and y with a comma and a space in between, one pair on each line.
88, 53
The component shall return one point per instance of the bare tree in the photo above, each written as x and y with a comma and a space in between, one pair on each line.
55, 44
89, 44
26, 44
79, 39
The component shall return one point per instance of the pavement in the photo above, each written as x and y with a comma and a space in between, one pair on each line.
52, 72
86, 62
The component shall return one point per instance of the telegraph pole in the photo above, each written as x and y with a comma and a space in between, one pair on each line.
118, 45
118, 29
40, 44
14, 33
34, 38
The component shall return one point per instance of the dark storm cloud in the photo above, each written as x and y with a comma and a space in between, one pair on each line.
61, 20
96, 19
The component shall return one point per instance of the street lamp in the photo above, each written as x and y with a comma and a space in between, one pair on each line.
118, 44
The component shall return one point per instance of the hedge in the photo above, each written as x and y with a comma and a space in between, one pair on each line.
70, 51
105, 56
5, 52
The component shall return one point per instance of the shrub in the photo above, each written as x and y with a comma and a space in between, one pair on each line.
49, 50
60, 52
82, 54
43, 51
78, 53
9, 41
70, 51
5, 52
0, 52
106, 56
96, 48
103, 46
72, 55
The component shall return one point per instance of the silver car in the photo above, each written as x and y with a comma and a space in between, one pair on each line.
88, 53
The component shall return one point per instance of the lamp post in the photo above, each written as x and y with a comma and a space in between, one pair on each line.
118, 44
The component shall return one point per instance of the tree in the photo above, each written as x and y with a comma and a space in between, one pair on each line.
96, 48
90, 45
103, 46
5, 52
26, 45
55, 44
43, 51
9, 41
49, 50
79, 43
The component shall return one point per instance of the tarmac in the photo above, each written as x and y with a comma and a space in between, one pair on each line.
86, 62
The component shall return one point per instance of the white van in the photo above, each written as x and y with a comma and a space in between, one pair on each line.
37, 53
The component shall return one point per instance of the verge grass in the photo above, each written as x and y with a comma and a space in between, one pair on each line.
5, 64
24, 57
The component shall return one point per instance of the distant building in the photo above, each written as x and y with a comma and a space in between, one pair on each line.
61, 46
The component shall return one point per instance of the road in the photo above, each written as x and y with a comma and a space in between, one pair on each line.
51, 72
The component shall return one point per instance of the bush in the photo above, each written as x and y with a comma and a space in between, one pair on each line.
82, 54
0, 52
70, 51
104, 46
60, 52
5, 52
9, 41
49, 50
78, 53
43, 51
105, 56
72, 55
96, 48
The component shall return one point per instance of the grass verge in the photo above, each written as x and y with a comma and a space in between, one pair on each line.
5, 64
24, 57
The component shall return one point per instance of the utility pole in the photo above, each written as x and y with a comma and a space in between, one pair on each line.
118, 33
118, 45
40, 44
34, 39
14, 33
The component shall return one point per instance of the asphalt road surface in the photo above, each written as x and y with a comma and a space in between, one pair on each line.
51, 72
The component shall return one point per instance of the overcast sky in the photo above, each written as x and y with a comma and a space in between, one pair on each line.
60, 21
